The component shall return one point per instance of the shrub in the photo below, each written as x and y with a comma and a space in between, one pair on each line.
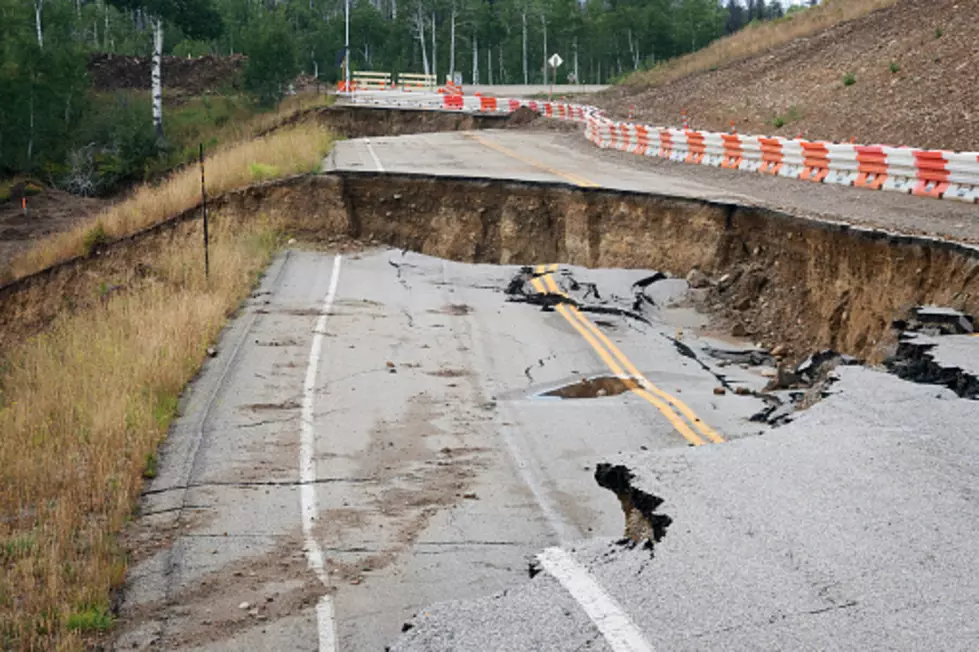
778, 122
895, 68
938, 32
849, 79
94, 238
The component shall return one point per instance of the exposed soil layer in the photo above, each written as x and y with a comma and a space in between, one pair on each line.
49, 212
643, 524
913, 66
371, 122
112, 72
778, 279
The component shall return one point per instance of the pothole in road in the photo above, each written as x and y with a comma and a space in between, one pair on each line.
597, 387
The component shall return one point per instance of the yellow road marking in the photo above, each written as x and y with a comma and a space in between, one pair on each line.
575, 179
631, 368
631, 382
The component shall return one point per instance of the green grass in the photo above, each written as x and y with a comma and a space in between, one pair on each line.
152, 466
90, 618
261, 171
849, 79
792, 115
895, 67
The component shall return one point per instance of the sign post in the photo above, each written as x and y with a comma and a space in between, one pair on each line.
554, 62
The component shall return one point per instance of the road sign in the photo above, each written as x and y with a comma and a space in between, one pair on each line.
555, 60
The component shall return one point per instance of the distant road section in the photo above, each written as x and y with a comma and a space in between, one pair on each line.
534, 89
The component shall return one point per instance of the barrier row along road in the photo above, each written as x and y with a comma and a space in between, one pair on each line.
938, 174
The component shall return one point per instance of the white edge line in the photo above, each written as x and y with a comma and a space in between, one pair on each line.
377, 161
307, 470
612, 621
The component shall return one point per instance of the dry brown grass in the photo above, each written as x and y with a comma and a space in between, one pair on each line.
281, 153
758, 38
82, 408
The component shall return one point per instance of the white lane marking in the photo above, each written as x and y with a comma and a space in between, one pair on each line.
612, 621
307, 471
377, 161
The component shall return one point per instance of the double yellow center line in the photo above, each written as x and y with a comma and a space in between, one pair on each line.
686, 422
573, 178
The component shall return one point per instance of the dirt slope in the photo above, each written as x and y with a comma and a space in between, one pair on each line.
189, 75
931, 101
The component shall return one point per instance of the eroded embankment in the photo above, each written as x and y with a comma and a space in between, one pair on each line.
783, 280
371, 122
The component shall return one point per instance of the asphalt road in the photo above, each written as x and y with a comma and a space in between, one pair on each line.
385, 438
423, 447
560, 156
851, 528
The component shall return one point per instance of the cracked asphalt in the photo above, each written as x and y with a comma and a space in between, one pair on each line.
441, 469
851, 528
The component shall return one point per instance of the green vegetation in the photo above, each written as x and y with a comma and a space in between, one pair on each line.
938, 32
94, 238
90, 618
792, 115
849, 79
150, 470
895, 67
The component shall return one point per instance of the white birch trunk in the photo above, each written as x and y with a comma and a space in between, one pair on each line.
38, 8
475, 60
543, 23
526, 71
452, 45
420, 29
435, 58
575, 46
157, 76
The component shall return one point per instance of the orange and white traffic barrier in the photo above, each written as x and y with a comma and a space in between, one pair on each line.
932, 173
815, 162
963, 176
452, 102
696, 149
771, 155
665, 144
843, 164
871, 167
713, 149
733, 151
793, 159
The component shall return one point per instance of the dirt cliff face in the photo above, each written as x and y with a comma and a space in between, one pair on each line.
774, 278
188, 75
913, 66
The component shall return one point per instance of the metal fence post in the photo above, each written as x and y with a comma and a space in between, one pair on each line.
207, 258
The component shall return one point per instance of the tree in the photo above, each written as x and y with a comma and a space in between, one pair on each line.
271, 58
197, 19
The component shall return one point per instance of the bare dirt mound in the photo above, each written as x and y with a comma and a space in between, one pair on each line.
913, 68
50, 211
190, 75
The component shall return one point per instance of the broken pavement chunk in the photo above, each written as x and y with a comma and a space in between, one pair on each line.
643, 525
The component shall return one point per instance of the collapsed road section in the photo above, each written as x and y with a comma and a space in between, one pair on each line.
777, 279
